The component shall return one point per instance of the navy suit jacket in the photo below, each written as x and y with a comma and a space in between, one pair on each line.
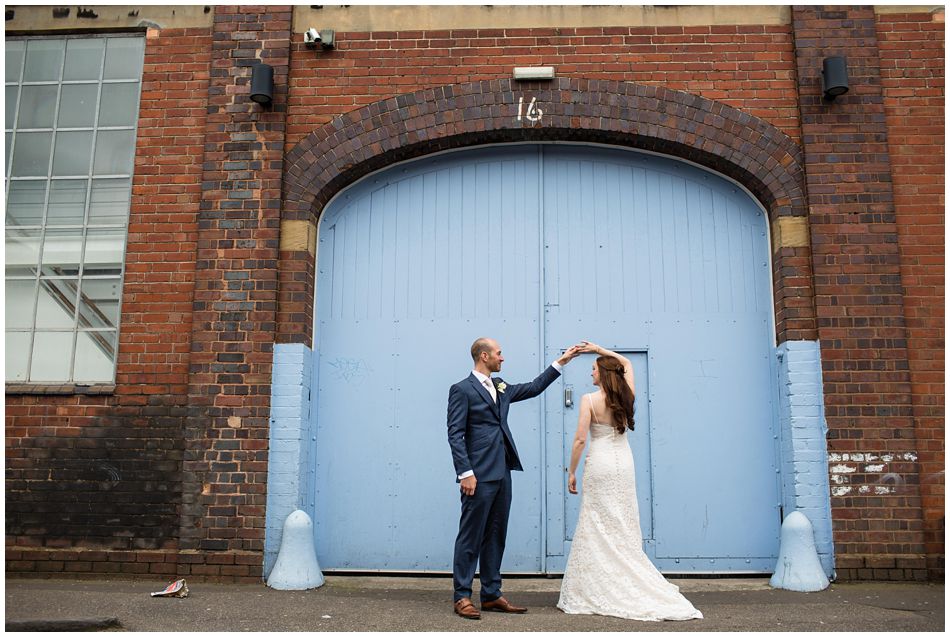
478, 427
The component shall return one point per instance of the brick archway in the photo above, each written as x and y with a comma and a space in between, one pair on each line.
749, 150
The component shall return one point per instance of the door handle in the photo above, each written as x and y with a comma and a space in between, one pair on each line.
569, 396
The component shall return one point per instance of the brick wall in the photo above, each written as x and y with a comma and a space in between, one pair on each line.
235, 303
750, 67
858, 292
912, 78
103, 470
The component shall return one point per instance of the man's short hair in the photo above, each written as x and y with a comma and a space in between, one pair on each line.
480, 345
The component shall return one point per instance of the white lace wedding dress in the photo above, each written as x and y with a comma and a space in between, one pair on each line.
607, 571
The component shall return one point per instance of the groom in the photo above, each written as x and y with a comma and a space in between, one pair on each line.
484, 455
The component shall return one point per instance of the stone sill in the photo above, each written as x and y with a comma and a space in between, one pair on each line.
59, 389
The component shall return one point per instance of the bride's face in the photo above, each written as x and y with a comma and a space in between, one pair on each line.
595, 374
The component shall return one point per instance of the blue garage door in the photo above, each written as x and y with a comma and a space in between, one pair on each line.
540, 246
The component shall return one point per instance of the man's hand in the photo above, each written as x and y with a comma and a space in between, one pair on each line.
468, 485
572, 352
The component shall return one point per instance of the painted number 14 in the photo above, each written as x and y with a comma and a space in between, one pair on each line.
533, 114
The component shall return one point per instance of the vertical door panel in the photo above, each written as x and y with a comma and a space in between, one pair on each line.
655, 255
414, 265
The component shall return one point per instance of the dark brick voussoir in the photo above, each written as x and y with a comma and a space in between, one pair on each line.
753, 152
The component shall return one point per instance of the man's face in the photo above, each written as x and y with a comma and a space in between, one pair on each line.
493, 358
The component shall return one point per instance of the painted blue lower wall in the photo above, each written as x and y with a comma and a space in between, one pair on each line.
804, 450
288, 465
804, 455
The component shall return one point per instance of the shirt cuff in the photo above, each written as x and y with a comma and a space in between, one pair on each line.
556, 365
466, 474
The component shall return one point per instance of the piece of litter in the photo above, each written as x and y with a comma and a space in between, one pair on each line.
178, 588
326, 617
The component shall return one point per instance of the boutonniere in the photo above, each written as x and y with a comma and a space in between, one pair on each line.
501, 387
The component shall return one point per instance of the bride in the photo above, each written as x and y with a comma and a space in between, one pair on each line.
607, 571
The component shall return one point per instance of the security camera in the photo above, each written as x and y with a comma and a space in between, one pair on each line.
311, 37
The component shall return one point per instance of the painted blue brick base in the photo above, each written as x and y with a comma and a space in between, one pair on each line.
804, 451
290, 433
804, 455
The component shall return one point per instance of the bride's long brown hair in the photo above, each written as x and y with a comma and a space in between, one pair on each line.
619, 397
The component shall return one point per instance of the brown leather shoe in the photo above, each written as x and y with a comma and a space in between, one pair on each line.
502, 605
465, 608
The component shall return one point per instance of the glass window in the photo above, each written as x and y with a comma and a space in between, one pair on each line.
18, 355
37, 105
31, 154
19, 302
14, 60
71, 114
73, 150
56, 307
67, 203
95, 356
114, 149
11, 95
44, 60
99, 303
84, 59
52, 356
124, 59
119, 104
23, 251
77, 106
110, 201
25, 203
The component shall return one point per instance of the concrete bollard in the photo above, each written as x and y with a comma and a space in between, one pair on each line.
798, 567
296, 568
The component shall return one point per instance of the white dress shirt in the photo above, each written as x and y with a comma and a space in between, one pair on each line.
489, 386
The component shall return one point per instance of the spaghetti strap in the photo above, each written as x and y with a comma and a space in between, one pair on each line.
590, 405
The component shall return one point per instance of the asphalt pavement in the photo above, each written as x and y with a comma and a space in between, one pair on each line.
395, 604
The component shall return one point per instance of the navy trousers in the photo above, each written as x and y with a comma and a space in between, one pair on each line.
481, 538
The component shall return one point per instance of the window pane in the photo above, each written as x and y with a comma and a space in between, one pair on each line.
52, 354
25, 203
37, 105
18, 355
119, 106
110, 201
14, 56
105, 248
22, 251
11, 95
31, 154
67, 202
61, 252
95, 354
99, 302
73, 150
9, 143
77, 106
19, 302
123, 59
83, 59
56, 305
114, 150
44, 60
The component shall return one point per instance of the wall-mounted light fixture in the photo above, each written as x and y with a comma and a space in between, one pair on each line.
523, 73
834, 76
262, 84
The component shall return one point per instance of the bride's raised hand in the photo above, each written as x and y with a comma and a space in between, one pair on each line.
589, 348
